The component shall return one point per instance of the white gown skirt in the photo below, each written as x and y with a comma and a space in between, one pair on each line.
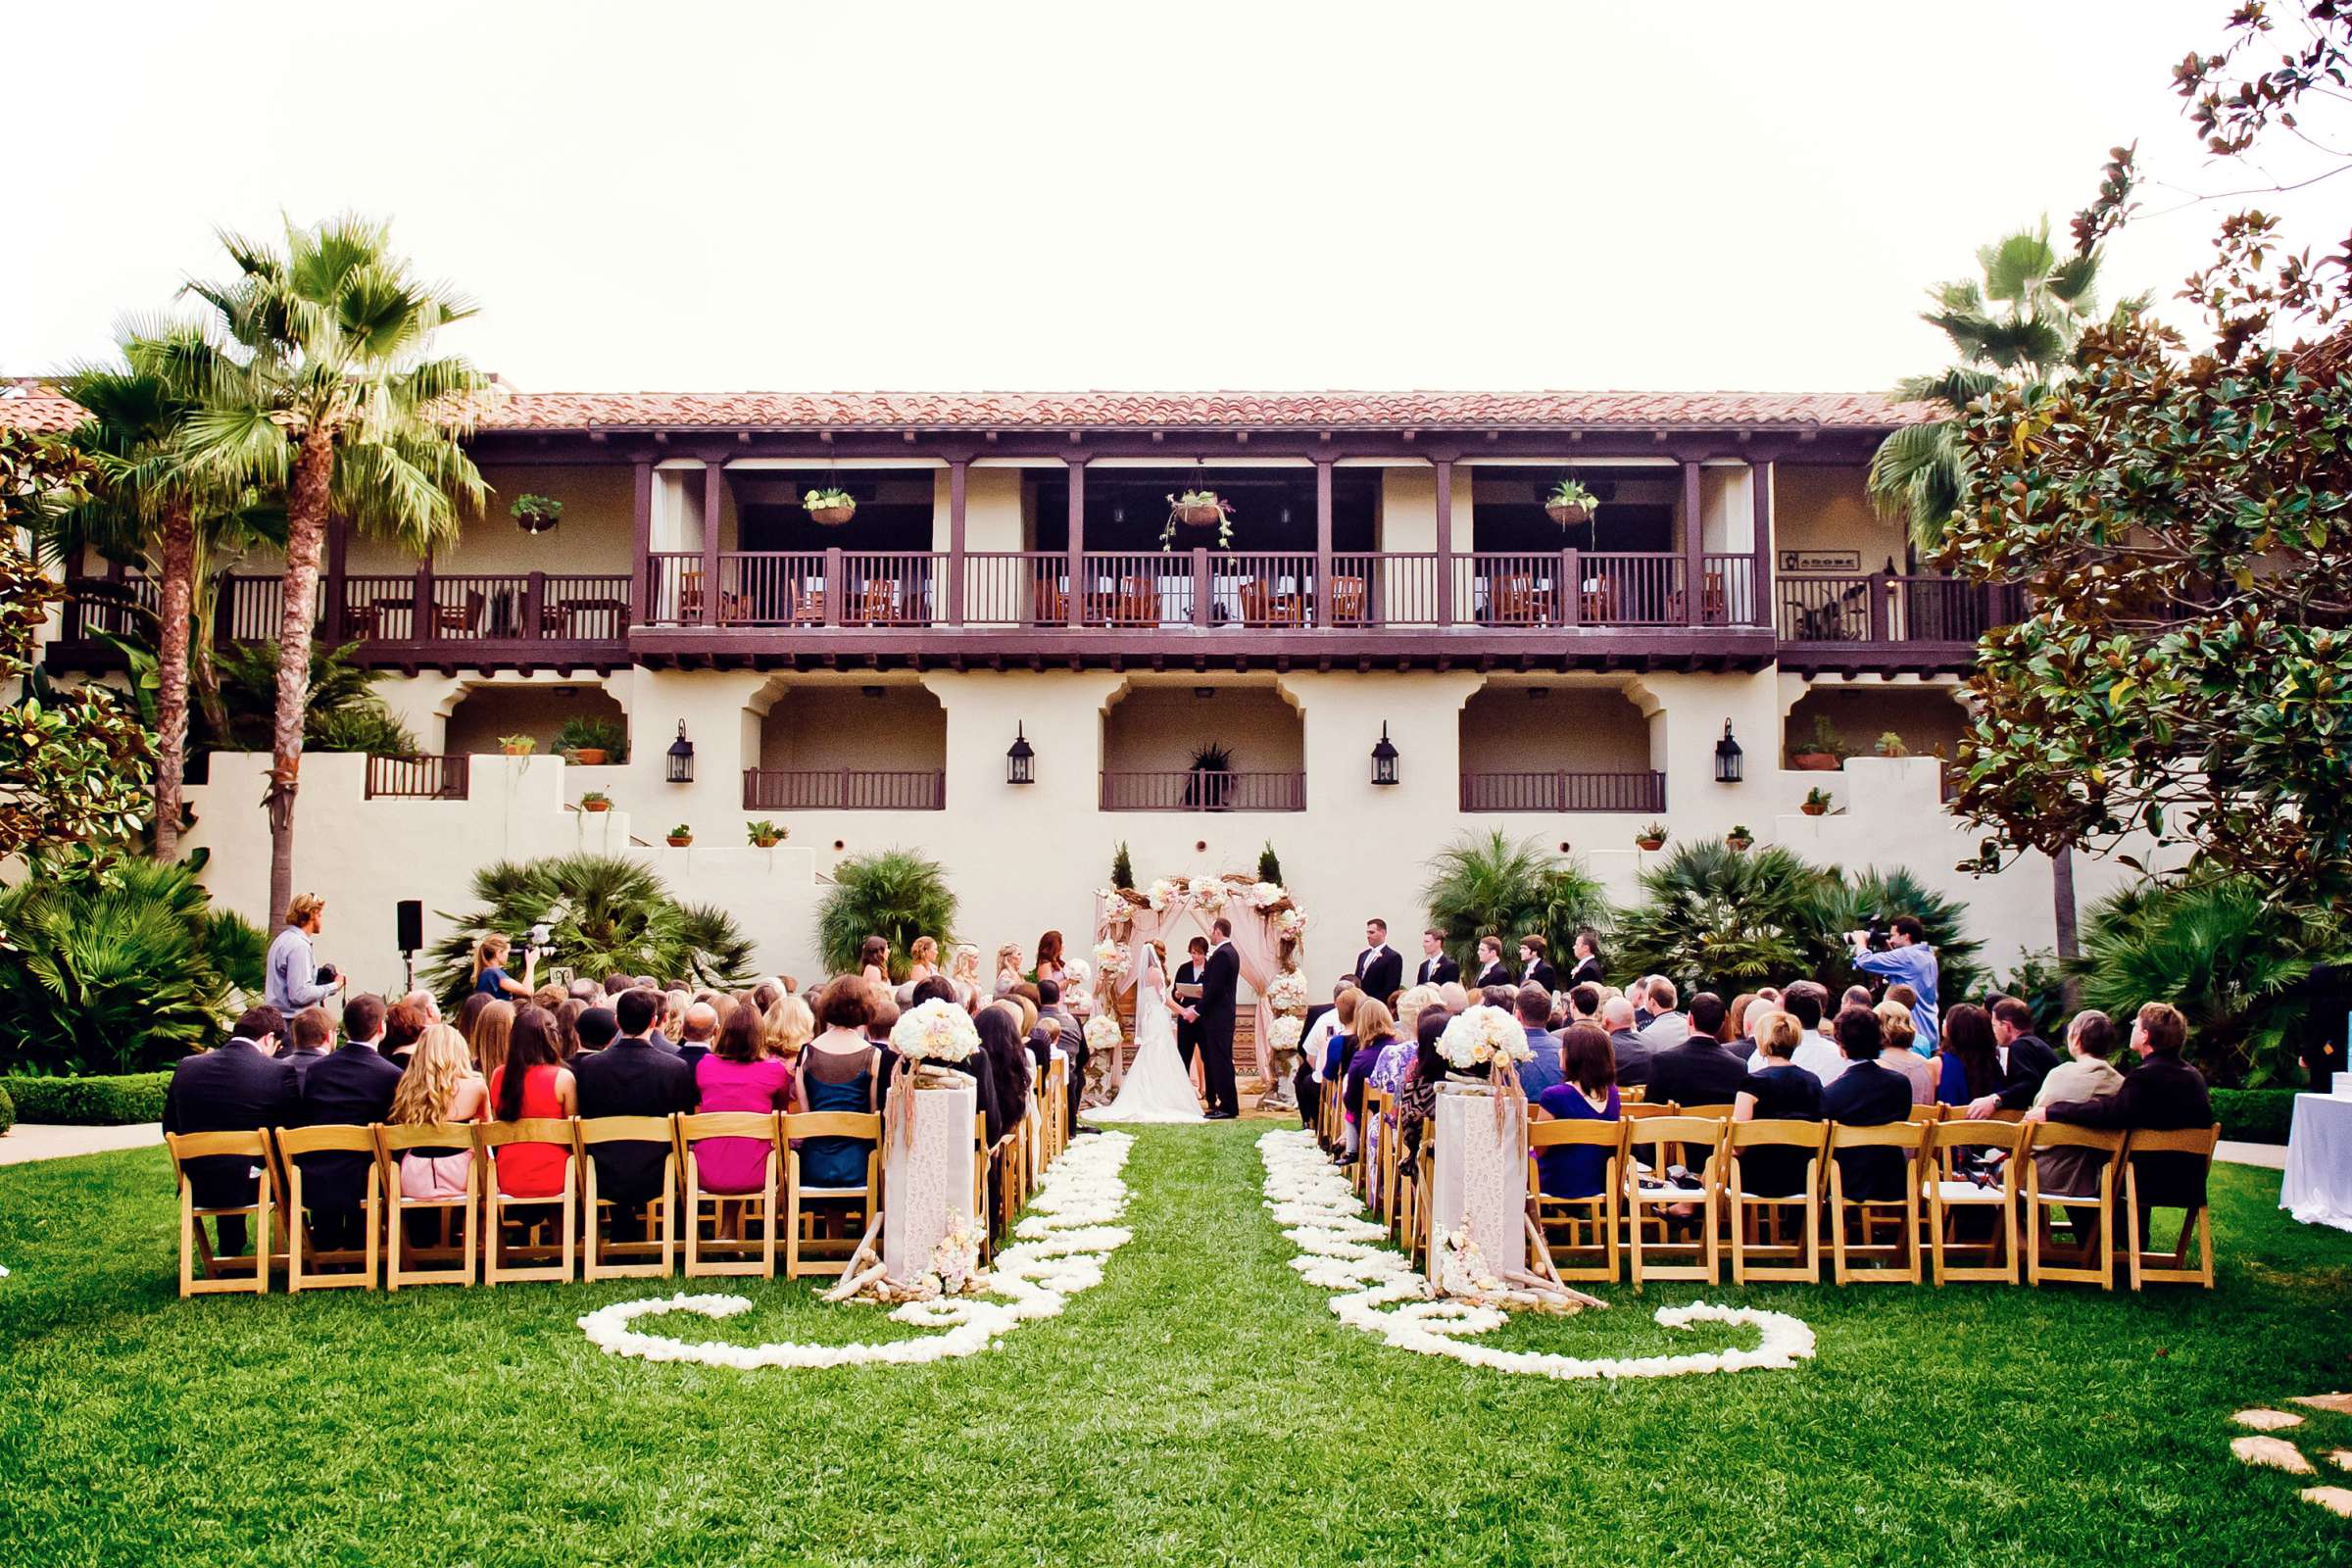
1157, 1087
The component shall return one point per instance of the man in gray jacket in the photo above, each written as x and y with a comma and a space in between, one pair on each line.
293, 980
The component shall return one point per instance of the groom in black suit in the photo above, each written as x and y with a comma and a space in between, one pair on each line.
1220, 977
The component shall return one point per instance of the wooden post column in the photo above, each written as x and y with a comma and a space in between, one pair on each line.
713, 478
338, 554
1444, 468
1323, 577
955, 502
1759, 490
642, 591
1076, 597
1694, 559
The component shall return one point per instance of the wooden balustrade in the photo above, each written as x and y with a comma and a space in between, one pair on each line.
1564, 791
843, 790
421, 777
1186, 789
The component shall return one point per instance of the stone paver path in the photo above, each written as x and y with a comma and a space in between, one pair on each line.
29, 1142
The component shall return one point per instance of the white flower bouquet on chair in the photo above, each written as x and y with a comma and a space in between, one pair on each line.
1481, 1036
935, 1031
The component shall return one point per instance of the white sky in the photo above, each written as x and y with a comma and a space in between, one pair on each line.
706, 197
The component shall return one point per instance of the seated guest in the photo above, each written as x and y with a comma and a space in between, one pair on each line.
671, 1022
1632, 1052
738, 1075
1587, 1092
1534, 1016
1396, 1044
786, 1026
841, 1070
597, 1027
629, 1077
2163, 1093
702, 1028
1407, 1007
234, 1088
1584, 1003
1315, 1046
1417, 1097
1907, 998
1699, 1071
1896, 1056
492, 1027
1867, 1094
1374, 1031
439, 1086
583, 991
567, 1027
469, 1012
1737, 1032
404, 1025
2085, 1074
1967, 1061
1667, 1028
2026, 1059
1452, 996
1817, 1053
424, 1001
309, 1037
1776, 1090
532, 1084
616, 983
1855, 997
349, 1087
1005, 1071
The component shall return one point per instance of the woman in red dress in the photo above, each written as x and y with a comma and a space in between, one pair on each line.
533, 1083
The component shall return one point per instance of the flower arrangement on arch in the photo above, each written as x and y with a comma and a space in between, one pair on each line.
1482, 1035
1286, 993
1290, 924
1287, 1032
1163, 895
1103, 1032
1111, 960
935, 1031
1265, 895
1210, 893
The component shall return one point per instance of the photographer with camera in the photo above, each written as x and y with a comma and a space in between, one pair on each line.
293, 977
490, 975
1898, 951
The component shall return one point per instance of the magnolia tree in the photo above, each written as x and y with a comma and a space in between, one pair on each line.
2182, 517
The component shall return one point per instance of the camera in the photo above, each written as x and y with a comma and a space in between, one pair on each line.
1872, 938
540, 940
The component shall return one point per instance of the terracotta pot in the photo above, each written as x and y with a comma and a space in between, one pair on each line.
1651, 844
678, 842
1738, 843
534, 524
517, 751
1815, 761
832, 516
1569, 517
1199, 516
596, 806
1812, 808
589, 756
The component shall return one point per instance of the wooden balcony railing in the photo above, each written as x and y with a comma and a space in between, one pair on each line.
417, 778
843, 790
1188, 791
1564, 791
1886, 607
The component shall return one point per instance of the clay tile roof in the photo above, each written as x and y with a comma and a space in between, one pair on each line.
40, 414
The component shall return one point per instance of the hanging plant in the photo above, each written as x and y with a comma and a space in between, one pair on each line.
829, 504
536, 515
1199, 508
1570, 504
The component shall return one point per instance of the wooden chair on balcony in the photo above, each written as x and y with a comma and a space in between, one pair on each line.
1137, 603
1345, 605
1518, 602
466, 617
878, 602
1261, 605
808, 607
1053, 605
690, 596
1599, 603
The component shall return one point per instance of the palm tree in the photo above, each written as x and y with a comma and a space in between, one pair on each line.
329, 392
1713, 916
1843, 902
896, 895
1494, 885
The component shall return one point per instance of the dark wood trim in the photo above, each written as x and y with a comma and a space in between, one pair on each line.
641, 505
956, 479
1076, 594
1694, 549
1760, 486
713, 477
1444, 475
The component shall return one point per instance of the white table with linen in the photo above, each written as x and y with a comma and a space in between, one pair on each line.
2318, 1186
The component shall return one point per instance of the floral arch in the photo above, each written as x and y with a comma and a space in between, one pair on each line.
1266, 929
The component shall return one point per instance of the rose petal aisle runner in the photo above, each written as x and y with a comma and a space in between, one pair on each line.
1380, 1293
1061, 1252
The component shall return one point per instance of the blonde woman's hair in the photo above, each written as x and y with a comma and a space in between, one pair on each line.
489, 954
1008, 956
923, 950
440, 1064
1410, 1006
1895, 1027
491, 1032
787, 1026
1778, 1033
1373, 1020
967, 958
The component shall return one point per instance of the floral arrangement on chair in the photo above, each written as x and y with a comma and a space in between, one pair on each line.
935, 1031
1481, 1036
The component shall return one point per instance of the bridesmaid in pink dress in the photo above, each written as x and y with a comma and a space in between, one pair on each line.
738, 1074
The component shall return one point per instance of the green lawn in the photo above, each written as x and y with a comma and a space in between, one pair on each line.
1203, 1406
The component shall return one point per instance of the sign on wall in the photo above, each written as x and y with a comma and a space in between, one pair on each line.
1821, 560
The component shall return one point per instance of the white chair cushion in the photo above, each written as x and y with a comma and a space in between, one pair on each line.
1968, 1193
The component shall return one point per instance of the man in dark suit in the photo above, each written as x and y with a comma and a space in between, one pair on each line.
1491, 971
1220, 980
597, 1026
698, 1031
1587, 971
1868, 1093
1436, 969
234, 1089
1188, 1023
349, 1087
2163, 1093
1699, 1071
1379, 968
309, 1035
2026, 1061
1632, 1053
630, 1077
1535, 968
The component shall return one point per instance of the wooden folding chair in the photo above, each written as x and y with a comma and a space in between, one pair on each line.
1346, 602
740, 1254
201, 1273
306, 1266
1930, 1113
497, 1205
1658, 1134
1895, 1260
1518, 603
455, 1250
1588, 1249
1638, 1094
1050, 606
2168, 1268
802, 1230
1951, 1198
653, 1257
1636, 1111
879, 605
1749, 1213
2090, 1260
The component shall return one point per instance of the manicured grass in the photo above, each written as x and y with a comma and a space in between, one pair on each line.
1203, 1406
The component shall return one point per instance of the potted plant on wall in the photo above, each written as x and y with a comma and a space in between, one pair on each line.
763, 834
1738, 837
1210, 786
1652, 837
517, 745
1891, 744
593, 742
680, 836
1824, 753
596, 800
1570, 504
536, 515
1815, 804
829, 504
1199, 508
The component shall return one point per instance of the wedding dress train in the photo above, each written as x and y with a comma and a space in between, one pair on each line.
1156, 1087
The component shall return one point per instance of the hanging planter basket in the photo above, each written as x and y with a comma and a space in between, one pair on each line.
1200, 514
832, 516
1569, 517
830, 507
536, 515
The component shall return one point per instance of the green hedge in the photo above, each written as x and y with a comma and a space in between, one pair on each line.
89, 1102
2254, 1115
7, 1111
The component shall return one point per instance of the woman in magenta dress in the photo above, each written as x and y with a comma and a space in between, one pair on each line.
738, 1074
532, 1083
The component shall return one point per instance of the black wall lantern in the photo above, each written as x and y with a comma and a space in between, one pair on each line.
1726, 756
1384, 760
1020, 763
681, 758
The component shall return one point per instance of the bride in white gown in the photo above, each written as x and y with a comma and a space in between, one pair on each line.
1156, 1087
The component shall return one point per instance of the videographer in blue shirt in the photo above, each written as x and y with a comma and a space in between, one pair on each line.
1908, 959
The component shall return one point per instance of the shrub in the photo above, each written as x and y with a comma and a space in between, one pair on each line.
896, 895
1269, 865
367, 726
1492, 884
123, 978
589, 734
1122, 869
1840, 904
7, 1111
1713, 917
2254, 1115
93, 1101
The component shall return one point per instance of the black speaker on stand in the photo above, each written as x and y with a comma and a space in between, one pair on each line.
408, 916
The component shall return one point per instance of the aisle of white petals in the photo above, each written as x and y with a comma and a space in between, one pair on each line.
1062, 1247
1380, 1293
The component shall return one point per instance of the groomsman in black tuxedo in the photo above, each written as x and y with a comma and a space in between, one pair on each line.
1537, 971
1379, 968
1491, 971
1189, 973
1589, 970
1436, 969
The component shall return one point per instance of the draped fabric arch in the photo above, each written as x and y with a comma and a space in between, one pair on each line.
1266, 927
